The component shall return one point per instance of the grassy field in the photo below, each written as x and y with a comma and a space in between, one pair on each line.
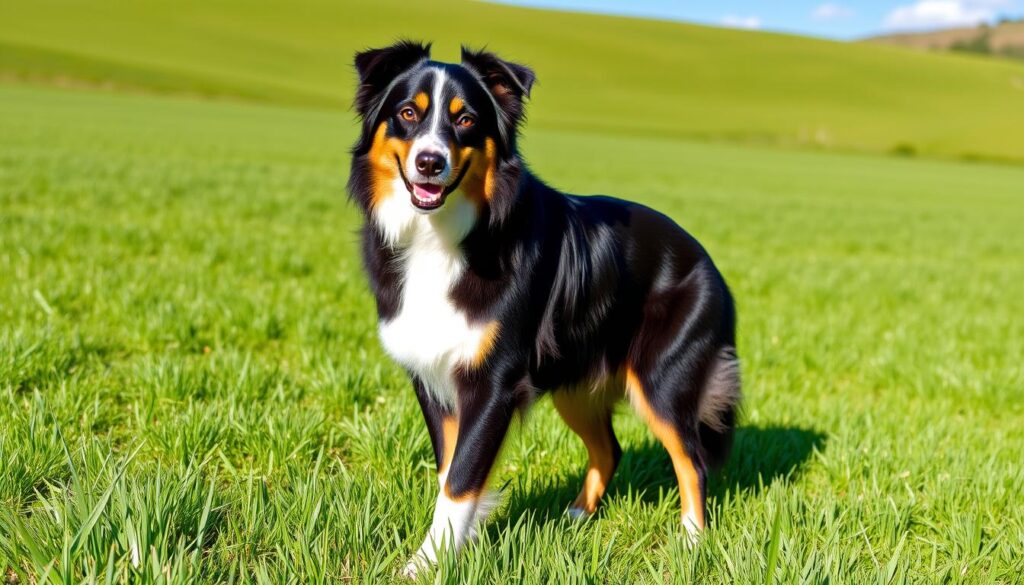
191, 389
630, 77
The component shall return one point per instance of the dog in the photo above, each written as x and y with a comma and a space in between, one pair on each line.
493, 288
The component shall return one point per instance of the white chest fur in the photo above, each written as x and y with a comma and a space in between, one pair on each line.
429, 335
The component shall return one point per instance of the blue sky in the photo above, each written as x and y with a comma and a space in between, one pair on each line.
827, 18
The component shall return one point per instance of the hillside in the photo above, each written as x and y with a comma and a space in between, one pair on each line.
598, 73
1005, 39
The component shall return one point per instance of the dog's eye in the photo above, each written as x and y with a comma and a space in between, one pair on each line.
465, 121
408, 114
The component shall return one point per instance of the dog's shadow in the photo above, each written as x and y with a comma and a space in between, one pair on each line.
760, 456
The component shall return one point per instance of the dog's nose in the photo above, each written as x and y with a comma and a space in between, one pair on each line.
429, 163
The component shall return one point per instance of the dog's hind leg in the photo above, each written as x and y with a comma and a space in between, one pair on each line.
678, 434
590, 418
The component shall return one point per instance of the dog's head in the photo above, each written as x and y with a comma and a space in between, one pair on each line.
431, 129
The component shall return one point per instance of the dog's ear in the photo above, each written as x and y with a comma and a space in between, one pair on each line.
509, 83
377, 68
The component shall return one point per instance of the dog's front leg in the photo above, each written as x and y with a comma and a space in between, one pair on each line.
484, 414
442, 426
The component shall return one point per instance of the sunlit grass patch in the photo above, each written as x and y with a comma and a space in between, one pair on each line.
191, 388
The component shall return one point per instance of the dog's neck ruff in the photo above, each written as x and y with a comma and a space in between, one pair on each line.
429, 335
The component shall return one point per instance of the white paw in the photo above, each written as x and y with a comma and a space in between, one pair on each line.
421, 562
578, 514
691, 530
416, 566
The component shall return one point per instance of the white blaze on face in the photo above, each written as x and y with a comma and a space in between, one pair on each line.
431, 140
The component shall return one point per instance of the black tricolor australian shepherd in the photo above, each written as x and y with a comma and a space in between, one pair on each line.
492, 288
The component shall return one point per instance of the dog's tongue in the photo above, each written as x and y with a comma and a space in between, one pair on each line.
427, 192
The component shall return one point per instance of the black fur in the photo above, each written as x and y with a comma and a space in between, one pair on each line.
582, 287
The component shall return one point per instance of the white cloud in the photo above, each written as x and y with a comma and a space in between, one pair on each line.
747, 22
830, 11
925, 14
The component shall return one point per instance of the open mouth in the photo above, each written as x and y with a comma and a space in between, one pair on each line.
430, 196
427, 195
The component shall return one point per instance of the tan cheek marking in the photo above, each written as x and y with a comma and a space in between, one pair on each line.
383, 153
490, 152
449, 435
459, 155
422, 101
378, 149
479, 182
490, 337
455, 106
686, 473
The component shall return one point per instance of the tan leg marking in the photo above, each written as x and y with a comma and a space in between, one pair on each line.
449, 436
686, 473
470, 496
589, 420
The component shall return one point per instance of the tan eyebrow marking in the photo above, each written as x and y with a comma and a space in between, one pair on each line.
455, 105
422, 101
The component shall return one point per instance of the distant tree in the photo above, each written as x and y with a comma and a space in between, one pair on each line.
979, 44
1013, 52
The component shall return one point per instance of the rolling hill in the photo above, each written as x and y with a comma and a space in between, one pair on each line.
1005, 39
597, 73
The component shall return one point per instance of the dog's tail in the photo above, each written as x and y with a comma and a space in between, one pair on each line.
718, 406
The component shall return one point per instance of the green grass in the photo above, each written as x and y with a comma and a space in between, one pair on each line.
191, 388
597, 73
